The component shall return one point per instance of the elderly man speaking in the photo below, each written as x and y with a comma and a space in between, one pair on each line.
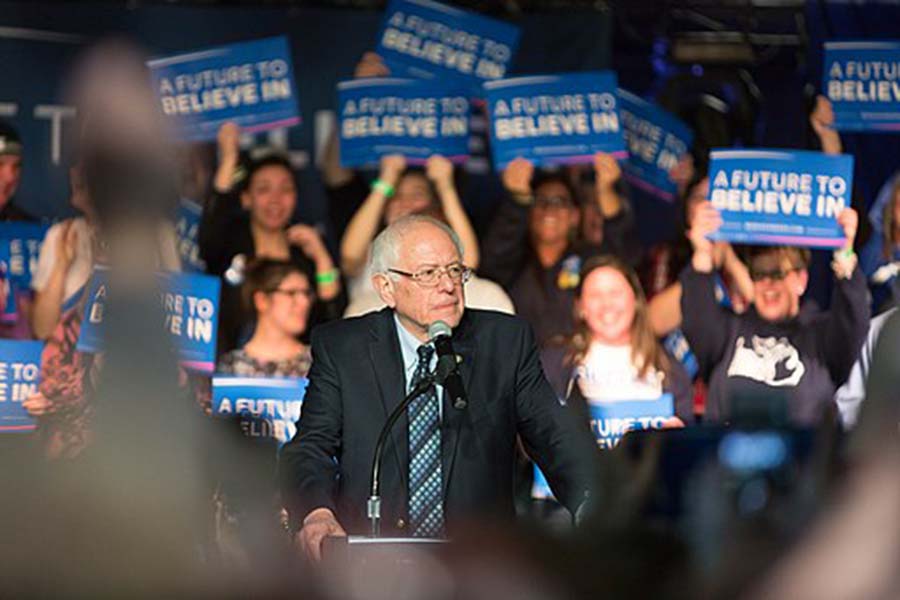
443, 465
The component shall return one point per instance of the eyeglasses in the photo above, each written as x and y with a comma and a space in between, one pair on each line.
773, 274
295, 295
430, 276
553, 201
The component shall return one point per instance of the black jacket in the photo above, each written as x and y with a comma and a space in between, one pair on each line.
356, 381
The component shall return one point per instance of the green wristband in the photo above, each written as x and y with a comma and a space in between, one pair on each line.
329, 276
384, 187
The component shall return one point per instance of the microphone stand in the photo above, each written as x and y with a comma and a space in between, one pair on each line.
373, 506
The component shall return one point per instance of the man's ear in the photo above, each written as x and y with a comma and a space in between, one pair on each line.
384, 286
260, 301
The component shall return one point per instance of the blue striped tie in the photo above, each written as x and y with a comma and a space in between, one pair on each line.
426, 507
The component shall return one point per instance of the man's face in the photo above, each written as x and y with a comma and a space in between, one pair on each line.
424, 246
10, 173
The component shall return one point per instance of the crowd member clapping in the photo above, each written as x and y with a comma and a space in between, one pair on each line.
256, 223
65, 261
614, 354
532, 248
777, 347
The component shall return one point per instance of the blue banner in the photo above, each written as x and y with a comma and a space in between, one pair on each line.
401, 116
656, 140
269, 407
862, 80
610, 420
20, 368
430, 40
187, 224
553, 119
780, 197
191, 310
250, 83
25, 241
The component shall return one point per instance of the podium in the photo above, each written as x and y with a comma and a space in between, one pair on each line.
360, 549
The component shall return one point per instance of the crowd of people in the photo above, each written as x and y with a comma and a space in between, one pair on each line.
722, 329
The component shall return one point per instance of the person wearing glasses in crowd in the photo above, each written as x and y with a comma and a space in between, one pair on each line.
532, 248
443, 465
778, 347
246, 497
250, 217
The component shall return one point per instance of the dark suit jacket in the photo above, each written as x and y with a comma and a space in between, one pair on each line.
357, 379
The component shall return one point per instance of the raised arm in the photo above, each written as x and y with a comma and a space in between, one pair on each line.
439, 171
506, 243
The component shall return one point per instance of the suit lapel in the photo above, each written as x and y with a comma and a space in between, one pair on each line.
384, 352
463, 345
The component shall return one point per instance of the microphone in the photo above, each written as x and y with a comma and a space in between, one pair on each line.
446, 372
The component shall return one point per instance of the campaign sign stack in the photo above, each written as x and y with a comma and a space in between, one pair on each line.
430, 40
554, 119
656, 140
780, 197
187, 226
862, 80
250, 83
612, 419
20, 368
268, 407
190, 305
382, 116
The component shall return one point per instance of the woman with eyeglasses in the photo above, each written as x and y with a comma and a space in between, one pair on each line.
247, 507
778, 350
280, 295
533, 250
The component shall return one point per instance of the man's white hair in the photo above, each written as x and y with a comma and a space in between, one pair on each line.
386, 246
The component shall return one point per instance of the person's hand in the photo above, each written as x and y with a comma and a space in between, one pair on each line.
37, 405
371, 65
66, 246
517, 177
848, 219
392, 166
318, 525
229, 139
440, 171
822, 121
309, 241
673, 423
706, 221
607, 170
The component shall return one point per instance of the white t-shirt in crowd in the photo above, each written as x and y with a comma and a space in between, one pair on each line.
608, 374
82, 265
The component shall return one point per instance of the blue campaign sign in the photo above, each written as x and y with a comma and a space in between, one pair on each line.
25, 241
250, 83
187, 224
430, 40
862, 80
381, 116
780, 197
610, 420
268, 407
20, 368
656, 140
191, 310
554, 119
